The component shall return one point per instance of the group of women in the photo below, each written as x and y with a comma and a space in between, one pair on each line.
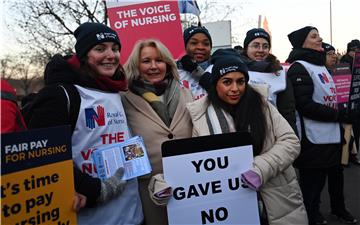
199, 95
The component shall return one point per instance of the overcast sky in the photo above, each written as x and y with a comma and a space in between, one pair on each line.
285, 16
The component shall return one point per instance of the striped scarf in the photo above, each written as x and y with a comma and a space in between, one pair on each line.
219, 121
168, 89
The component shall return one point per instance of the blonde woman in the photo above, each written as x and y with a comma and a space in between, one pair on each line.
155, 106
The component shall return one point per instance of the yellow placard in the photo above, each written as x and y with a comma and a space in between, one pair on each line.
40, 195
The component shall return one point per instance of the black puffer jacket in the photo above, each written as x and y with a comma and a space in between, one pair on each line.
312, 155
50, 108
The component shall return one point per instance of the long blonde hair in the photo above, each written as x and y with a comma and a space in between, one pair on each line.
132, 64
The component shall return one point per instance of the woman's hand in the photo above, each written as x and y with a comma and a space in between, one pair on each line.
160, 192
251, 179
79, 202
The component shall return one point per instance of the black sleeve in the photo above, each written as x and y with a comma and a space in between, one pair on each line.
88, 186
303, 91
204, 81
285, 103
50, 109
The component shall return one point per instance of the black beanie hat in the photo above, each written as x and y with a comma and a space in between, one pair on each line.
327, 47
226, 65
90, 34
353, 44
224, 52
297, 38
256, 33
190, 31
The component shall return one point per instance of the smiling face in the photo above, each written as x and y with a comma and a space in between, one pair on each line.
198, 47
231, 87
151, 67
104, 58
258, 49
313, 41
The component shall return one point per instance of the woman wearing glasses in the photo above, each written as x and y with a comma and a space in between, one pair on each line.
331, 57
265, 68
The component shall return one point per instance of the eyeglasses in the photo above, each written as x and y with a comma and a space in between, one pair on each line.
330, 53
258, 46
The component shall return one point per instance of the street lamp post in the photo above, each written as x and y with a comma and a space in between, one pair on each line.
330, 24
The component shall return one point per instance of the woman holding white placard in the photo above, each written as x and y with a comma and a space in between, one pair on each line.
233, 105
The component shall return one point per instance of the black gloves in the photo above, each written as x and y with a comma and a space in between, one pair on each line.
188, 64
344, 116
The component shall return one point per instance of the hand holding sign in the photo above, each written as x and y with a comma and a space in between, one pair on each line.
160, 192
79, 202
346, 116
251, 180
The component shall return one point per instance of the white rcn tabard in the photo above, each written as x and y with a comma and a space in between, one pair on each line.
102, 120
188, 81
276, 82
324, 93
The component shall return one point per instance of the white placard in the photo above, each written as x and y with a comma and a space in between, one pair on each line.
207, 187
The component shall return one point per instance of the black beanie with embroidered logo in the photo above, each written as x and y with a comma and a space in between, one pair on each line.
227, 64
327, 47
191, 31
256, 33
90, 34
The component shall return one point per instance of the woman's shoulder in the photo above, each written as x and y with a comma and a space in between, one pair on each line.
186, 94
198, 108
270, 111
59, 92
49, 103
270, 108
296, 68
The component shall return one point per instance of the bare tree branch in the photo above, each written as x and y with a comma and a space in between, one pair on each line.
47, 26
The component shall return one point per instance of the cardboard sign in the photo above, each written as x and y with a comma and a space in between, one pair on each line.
136, 20
37, 183
342, 80
204, 173
354, 98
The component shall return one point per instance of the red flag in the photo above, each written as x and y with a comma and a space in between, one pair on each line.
266, 25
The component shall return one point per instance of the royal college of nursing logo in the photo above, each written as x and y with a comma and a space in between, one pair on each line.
323, 78
91, 117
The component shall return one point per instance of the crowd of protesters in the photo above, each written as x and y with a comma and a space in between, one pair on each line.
291, 123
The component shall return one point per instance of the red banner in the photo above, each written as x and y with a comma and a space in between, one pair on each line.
157, 19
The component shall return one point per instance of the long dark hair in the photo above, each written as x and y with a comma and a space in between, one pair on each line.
248, 114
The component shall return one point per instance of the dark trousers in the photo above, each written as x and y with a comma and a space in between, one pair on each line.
312, 181
336, 188
355, 138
